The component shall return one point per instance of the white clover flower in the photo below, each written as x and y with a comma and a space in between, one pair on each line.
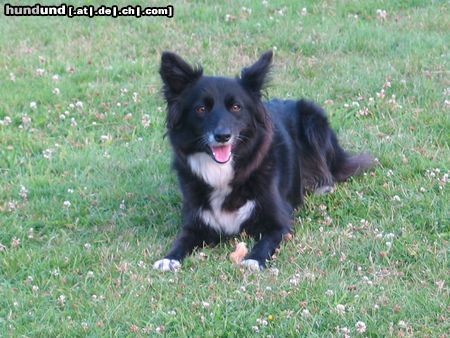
440, 284
262, 322
396, 198
23, 192
345, 331
363, 112
364, 222
15, 242
402, 324
48, 154
306, 313
246, 10
295, 280
26, 121
229, 18
6, 121
360, 327
381, 14
340, 309
145, 120
12, 206
381, 94
122, 205
274, 271
105, 138
62, 300
390, 236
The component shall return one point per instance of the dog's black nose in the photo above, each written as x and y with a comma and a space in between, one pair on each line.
222, 135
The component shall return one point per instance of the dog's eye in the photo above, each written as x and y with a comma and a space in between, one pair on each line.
235, 108
200, 110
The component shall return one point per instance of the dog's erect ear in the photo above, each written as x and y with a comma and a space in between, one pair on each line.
254, 77
176, 74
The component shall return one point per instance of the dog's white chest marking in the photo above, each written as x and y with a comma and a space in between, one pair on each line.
219, 177
227, 222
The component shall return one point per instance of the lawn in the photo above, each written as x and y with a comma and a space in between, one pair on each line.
88, 200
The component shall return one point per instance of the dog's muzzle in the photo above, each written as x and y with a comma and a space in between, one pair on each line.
221, 144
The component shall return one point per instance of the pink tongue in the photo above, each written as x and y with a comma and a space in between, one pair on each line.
222, 154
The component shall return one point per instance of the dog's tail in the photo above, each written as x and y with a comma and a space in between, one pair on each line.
352, 165
328, 161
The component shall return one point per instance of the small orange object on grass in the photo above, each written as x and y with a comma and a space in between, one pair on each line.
239, 253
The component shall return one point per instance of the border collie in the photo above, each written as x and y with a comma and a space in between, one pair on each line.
244, 164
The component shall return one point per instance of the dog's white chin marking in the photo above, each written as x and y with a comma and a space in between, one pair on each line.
251, 264
167, 265
219, 177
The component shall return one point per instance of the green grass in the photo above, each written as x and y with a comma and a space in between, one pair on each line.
85, 269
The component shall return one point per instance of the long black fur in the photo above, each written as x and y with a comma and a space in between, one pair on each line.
281, 150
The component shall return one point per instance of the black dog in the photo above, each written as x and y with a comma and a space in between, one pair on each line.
244, 165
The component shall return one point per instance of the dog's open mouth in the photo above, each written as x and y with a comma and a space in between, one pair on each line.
221, 154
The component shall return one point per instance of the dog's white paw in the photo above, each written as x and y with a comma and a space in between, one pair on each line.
167, 265
325, 189
251, 264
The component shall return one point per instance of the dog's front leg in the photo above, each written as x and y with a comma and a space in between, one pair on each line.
263, 250
186, 242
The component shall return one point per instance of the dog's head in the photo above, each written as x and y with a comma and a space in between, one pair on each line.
213, 114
